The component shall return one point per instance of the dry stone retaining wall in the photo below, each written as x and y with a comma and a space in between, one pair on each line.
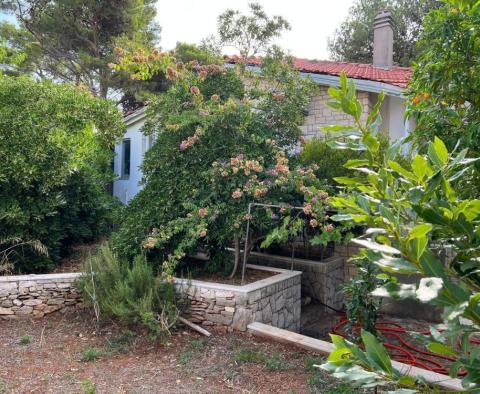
322, 280
274, 300
37, 295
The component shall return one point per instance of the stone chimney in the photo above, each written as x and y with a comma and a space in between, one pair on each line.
383, 40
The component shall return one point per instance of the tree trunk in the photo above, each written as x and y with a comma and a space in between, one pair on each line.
237, 257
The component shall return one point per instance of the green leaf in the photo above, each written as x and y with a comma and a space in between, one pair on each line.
420, 230
417, 246
440, 348
356, 163
420, 167
402, 171
437, 152
349, 181
406, 381
371, 142
377, 352
396, 265
375, 246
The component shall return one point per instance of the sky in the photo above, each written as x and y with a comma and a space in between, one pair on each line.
312, 22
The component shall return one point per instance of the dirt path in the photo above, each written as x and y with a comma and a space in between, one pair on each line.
65, 354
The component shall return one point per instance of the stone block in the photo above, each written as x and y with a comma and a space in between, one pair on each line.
55, 301
242, 318
24, 310
5, 311
32, 302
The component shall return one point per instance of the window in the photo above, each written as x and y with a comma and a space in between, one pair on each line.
126, 159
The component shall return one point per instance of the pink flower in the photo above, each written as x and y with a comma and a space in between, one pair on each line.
183, 145
237, 194
328, 228
202, 212
194, 90
278, 96
313, 223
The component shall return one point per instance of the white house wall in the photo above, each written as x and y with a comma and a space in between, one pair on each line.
125, 189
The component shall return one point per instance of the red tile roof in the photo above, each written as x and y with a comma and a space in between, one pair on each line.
396, 76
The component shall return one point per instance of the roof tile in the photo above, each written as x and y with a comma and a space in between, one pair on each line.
396, 76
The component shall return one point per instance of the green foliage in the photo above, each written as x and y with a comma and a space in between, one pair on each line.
445, 88
249, 34
329, 162
25, 340
353, 40
371, 367
88, 387
361, 307
413, 216
130, 293
73, 41
216, 151
56, 143
91, 354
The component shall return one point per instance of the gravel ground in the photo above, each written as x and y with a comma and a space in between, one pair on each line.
66, 353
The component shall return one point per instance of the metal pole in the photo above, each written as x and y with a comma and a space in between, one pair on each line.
247, 233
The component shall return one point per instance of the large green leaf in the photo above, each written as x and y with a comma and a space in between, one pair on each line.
376, 352
440, 348
376, 246
417, 246
396, 265
420, 230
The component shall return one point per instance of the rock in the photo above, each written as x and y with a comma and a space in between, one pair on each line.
55, 301
241, 319
32, 302
51, 308
25, 310
6, 304
229, 309
5, 311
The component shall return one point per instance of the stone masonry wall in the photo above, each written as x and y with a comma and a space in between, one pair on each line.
320, 114
274, 300
321, 280
37, 295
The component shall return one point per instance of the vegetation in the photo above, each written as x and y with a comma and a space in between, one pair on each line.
74, 41
445, 88
56, 145
353, 40
25, 340
130, 293
250, 35
91, 354
411, 216
219, 150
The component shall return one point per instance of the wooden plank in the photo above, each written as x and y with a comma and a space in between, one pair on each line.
194, 326
323, 347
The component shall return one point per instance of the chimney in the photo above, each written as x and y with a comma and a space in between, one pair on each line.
383, 40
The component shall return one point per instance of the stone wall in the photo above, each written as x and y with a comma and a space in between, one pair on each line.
346, 252
37, 295
320, 114
274, 300
321, 280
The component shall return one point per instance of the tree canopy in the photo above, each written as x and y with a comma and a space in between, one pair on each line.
353, 39
74, 41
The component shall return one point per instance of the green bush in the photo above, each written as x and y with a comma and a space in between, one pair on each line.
55, 144
216, 151
329, 161
130, 293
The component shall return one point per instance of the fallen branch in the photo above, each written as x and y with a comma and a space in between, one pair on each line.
194, 326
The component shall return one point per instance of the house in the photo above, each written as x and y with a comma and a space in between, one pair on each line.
370, 80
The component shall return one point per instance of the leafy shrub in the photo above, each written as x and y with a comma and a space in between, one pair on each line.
91, 354
445, 89
328, 161
128, 292
25, 340
413, 215
54, 141
216, 151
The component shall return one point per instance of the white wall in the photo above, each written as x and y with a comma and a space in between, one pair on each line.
125, 189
